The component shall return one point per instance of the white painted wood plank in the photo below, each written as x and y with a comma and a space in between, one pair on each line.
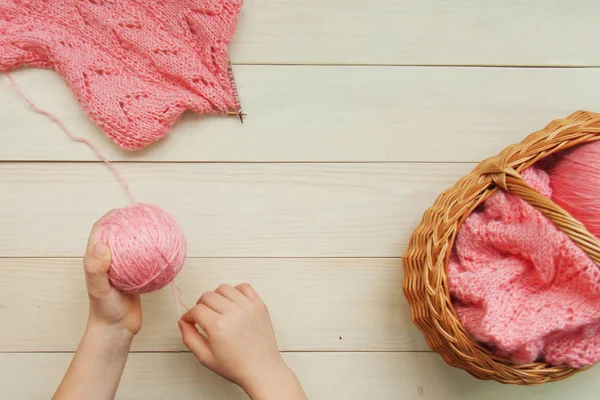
458, 32
323, 114
226, 210
315, 304
326, 376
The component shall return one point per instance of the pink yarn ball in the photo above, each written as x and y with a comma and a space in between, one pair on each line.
147, 245
575, 180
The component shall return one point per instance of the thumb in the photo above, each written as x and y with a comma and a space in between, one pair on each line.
197, 343
96, 264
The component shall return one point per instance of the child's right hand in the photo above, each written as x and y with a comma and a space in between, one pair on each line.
240, 344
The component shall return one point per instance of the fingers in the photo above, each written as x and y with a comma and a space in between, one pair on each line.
92, 237
202, 315
232, 294
249, 292
224, 299
194, 341
216, 302
96, 264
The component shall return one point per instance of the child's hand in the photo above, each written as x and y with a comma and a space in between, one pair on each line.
240, 344
98, 363
109, 308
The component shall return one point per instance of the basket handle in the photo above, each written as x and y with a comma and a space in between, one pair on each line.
510, 180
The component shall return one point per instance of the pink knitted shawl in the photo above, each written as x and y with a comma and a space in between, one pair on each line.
134, 65
522, 287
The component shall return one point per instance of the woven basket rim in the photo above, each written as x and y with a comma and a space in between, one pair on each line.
427, 257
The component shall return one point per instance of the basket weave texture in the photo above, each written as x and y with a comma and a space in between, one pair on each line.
426, 260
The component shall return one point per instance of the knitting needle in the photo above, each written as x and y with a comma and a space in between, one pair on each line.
235, 94
239, 114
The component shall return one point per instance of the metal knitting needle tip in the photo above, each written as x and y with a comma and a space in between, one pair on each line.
240, 114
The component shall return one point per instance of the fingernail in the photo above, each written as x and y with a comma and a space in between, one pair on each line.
100, 249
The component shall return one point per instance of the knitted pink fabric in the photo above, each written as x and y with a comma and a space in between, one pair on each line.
522, 287
134, 65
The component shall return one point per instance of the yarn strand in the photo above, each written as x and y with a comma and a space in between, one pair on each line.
88, 142
178, 298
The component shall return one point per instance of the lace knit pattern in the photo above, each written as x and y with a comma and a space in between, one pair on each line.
134, 65
522, 287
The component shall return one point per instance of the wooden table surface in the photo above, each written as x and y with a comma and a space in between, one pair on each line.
359, 114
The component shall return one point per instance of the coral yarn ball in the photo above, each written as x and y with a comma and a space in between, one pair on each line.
575, 180
148, 247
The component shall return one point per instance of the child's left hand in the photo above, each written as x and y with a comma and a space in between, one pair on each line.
114, 319
109, 308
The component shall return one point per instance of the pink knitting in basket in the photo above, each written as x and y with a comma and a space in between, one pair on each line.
134, 66
521, 286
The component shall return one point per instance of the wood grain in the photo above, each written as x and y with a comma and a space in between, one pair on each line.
226, 210
316, 304
375, 114
425, 32
326, 376
359, 114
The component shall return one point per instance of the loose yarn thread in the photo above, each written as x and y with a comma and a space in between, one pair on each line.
148, 246
88, 142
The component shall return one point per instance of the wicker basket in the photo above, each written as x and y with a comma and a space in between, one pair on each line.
426, 260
